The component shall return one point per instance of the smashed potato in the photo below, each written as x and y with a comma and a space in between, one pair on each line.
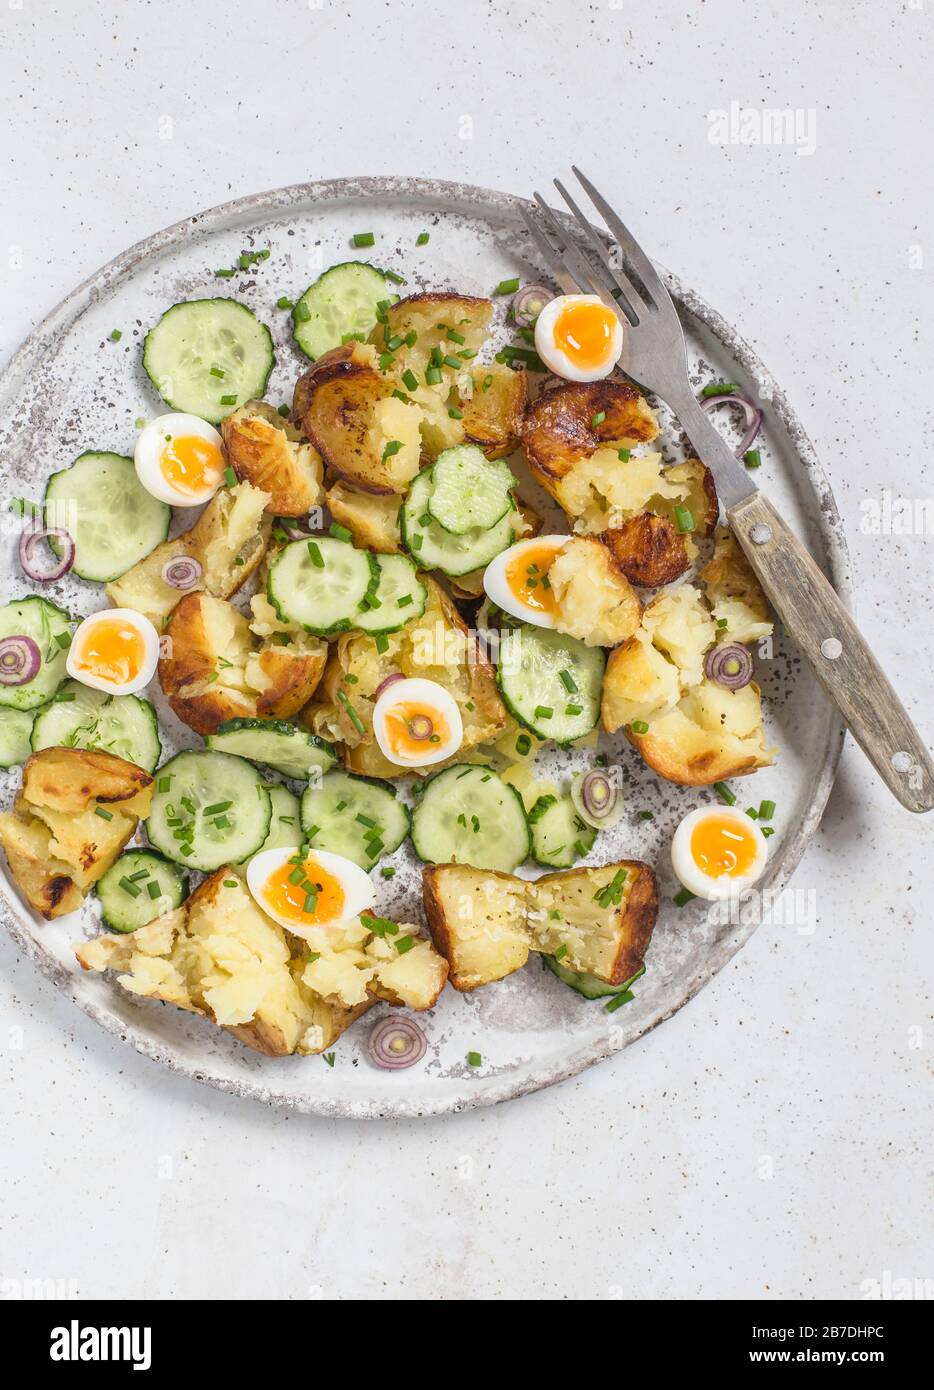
594, 600
347, 410
570, 422
735, 593
220, 955
487, 924
268, 451
371, 519
436, 646
228, 540
215, 667
75, 811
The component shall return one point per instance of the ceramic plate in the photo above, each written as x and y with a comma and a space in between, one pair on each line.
70, 388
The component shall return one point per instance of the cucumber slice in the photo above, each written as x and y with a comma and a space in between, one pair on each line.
320, 584
466, 815
433, 548
112, 519
285, 826
277, 744
208, 809
398, 597
342, 301
80, 717
50, 628
528, 673
358, 817
588, 985
559, 836
140, 887
469, 492
15, 728
196, 339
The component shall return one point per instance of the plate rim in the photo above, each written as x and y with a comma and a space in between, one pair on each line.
829, 526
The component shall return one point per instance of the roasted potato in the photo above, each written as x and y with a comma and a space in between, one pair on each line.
436, 646
75, 811
268, 451
347, 410
594, 600
220, 955
486, 924
649, 550
214, 667
570, 422
431, 317
735, 593
372, 520
228, 540
688, 728
494, 408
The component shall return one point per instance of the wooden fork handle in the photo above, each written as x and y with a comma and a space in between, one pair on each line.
822, 628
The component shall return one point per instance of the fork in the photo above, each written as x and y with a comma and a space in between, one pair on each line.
654, 355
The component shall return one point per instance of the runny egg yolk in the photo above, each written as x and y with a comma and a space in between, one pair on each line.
305, 894
412, 727
190, 464
112, 650
584, 333
527, 577
720, 846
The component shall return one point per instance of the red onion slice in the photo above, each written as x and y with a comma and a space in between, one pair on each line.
752, 413
29, 541
384, 685
20, 660
529, 302
396, 1043
729, 665
183, 572
420, 727
598, 794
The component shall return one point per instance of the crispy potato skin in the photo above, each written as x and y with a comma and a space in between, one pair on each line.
728, 574
558, 428
334, 402
193, 681
56, 844
266, 451
648, 549
693, 757
493, 416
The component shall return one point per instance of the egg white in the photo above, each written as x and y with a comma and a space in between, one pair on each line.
496, 586
693, 878
359, 892
557, 360
150, 655
148, 453
419, 690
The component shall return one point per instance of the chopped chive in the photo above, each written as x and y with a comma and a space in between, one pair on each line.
230, 477
222, 823
340, 533
296, 876
507, 287
116, 335
722, 623
129, 887
597, 419
153, 889
410, 379
63, 639
685, 518
725, 793
422, 239
624, 455
768, 830
301, 313
455, 414
310, 903
391, 275
752, 813
104, 815
561, 953
352, 714
646, 815
417, 541
404, 944
451, 362
618, 1001
382, 926
523, 744
568, 681
140, 873
639, 726
365, 820
752, 458
363, 239
388, 872
392, 448
432, 376
224, 274
283, 302
382, 643
330, 1057
218, 371
473, 1058
543, 712
217, 808
230, 883
385, 361
574, 709
454, 337
766, 810
684, 897
228, 400
317, 559
720, 388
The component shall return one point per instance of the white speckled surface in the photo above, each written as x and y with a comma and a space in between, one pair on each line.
770, 1139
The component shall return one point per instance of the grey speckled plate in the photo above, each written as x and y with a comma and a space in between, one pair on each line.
69, 388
